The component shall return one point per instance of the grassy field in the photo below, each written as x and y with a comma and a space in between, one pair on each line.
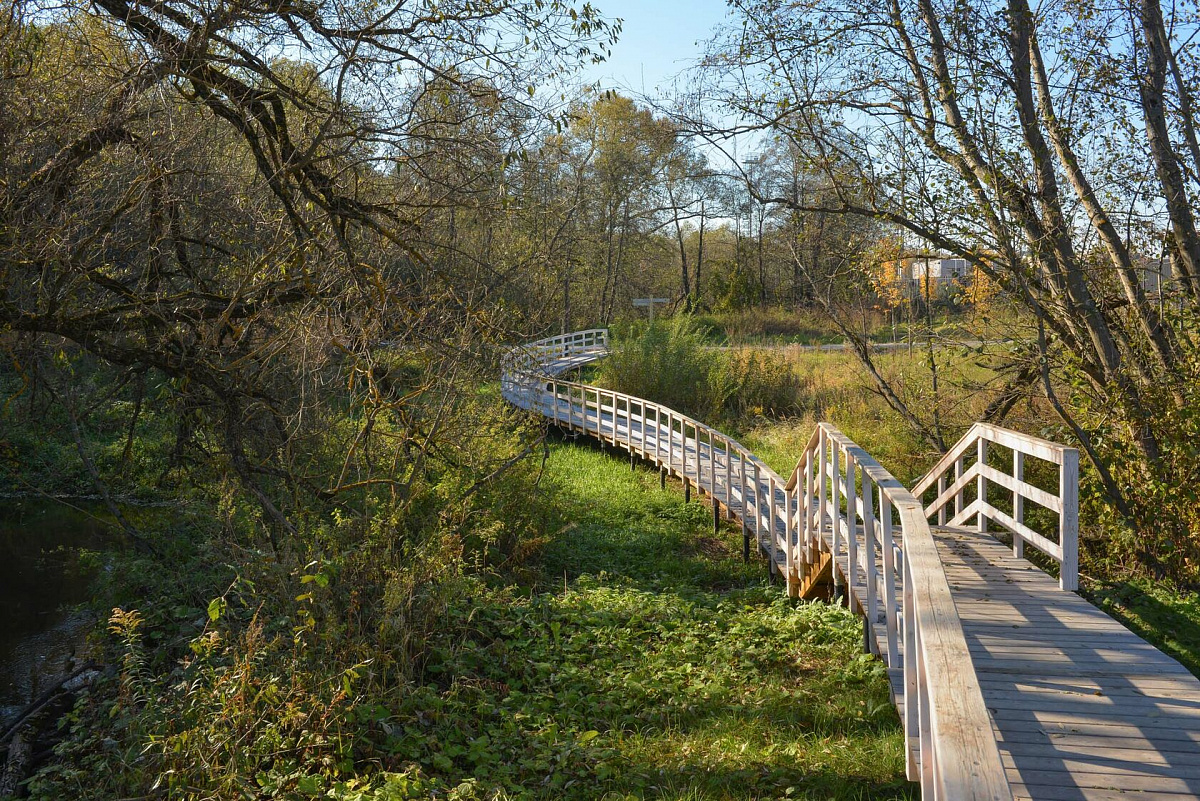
835, 389
647, 661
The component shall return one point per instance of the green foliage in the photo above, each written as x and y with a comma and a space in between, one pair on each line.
643, 660
670, 363
665, 362
649, 664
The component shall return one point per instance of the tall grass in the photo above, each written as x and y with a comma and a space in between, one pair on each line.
665, 362
669, 362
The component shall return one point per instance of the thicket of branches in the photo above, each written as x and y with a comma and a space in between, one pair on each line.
1053, 148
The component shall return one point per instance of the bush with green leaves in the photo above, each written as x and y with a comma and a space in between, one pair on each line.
666, 362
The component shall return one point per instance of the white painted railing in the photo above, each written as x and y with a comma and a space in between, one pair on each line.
839, 500
699, 455
951, 510
851, 507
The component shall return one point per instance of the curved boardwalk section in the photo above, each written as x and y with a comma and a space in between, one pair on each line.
1010, 686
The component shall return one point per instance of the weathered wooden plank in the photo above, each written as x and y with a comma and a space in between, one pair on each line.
1058, 792
1105, 772
1077, 775
1023, 726
1124, 753
1170, 686
1112, 707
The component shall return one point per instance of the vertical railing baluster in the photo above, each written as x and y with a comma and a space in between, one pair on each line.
1068, 520
924, 718
789, 539
822, 486
958, 496
867, 497
836, 515
912, 725
712, 462
745, 507
772, 528
1018, 501
757, 509
889, 577
809, 553
728, 477
851, 528
941, 487
981, 448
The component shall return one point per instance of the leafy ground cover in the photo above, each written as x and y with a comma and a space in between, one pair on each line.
646, 662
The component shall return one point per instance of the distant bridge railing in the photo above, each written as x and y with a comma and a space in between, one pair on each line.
840, 501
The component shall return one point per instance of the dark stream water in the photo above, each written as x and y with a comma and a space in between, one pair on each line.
49, 555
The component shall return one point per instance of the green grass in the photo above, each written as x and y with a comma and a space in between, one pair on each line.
647, 662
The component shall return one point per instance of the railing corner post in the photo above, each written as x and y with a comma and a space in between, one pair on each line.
1068, 520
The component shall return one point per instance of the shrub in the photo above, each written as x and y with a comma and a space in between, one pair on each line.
665, 362
757, 383
669, 363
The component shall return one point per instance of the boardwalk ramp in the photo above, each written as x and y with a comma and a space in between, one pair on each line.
1009, 685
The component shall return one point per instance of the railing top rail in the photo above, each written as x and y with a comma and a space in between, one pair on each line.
1024, 443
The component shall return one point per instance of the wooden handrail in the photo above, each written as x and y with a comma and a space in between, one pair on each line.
956, 756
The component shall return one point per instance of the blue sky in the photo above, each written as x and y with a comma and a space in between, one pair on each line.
659, 39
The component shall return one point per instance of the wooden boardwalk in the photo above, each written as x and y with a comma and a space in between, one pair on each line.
1010, 686
1082, 708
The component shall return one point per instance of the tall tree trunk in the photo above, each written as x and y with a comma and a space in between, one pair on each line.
1152, 80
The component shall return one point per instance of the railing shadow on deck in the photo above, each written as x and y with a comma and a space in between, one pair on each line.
836, 493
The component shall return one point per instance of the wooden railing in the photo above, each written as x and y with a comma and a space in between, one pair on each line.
677, 443
951, 510
851, 507
838, 500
